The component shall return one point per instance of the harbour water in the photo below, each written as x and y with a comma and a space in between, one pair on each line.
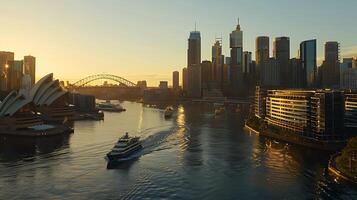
193, 155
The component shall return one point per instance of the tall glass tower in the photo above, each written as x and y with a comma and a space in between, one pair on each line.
308, 62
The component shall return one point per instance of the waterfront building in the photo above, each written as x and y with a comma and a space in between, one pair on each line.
163, 85
330, 68
308, 62
316, 114
270, 73
281, 52
83, 103
193, 65
175, 81
351, 110
260, 102
235, 70
51, 100
30, 67
5, 58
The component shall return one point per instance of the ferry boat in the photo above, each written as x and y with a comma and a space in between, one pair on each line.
107, 106
125, 146
168, 112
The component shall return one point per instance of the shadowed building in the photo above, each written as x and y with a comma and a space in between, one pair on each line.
193, 65
308, 62
330, 68
217, 63
281, 52
175, 81
261, 55
184, 80
15, 74
5, 59
236, 74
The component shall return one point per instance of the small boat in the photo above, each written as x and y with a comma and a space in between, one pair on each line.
168, 112
107, 106
125, 147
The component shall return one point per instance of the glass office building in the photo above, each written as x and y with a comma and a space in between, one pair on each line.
308, 62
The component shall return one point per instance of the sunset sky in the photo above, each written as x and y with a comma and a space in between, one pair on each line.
147, 39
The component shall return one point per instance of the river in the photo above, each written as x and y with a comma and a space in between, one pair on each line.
193, 155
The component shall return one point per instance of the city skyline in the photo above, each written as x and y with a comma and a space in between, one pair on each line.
67, 38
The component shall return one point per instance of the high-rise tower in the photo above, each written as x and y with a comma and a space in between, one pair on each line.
308, 62
193, 65
281, 52
236, 74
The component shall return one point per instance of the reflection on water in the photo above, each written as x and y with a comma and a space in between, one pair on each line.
193, 155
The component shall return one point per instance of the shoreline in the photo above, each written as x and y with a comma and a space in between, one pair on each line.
335, 172
299, 140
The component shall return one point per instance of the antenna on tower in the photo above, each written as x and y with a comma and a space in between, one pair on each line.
195, 26
238, 20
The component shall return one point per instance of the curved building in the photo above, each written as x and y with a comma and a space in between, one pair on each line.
50, 99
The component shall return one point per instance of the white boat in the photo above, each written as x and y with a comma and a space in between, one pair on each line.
125, 146
168, 112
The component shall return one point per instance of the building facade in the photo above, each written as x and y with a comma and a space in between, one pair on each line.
194, 65
175, 81
236, 73
281, 52
6, 58
30, 67
308, 62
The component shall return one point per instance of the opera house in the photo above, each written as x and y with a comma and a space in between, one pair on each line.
37, 111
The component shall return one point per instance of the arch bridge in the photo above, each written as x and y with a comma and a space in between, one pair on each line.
118, 79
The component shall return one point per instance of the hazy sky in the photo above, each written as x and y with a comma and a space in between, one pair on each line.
147, 39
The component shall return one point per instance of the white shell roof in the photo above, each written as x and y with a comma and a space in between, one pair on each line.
44, 92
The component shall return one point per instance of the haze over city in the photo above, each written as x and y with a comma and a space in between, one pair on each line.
148, 40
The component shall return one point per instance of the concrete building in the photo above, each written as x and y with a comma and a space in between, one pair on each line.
5, 58
270, 73
206, 73
281, 52
217, 63
30, 67
247, 62
163, 85
184, 80
307, 55
236, 73
349, 79
261, 49
15, 74
330, 68
194, 65
297, 74
175, 81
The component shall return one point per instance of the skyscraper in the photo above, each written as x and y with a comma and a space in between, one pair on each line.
15, 74
308, 62
184, 80
193, 64
247, 62
261, 49
281, 52
217, 63
5, 59
236, 74
175, 81
30, 67
330, 68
